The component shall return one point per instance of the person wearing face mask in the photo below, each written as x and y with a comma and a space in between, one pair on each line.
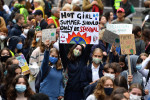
94, 70
15, 44
19, 89
3, 37
12, 72
52, 85
103, 89
25, 33
4, 55
135, 91
75, 63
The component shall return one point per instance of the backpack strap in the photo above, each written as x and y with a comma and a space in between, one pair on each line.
147, 79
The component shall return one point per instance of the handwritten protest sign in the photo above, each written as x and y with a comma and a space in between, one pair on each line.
79, 27
127, 43
111, 37
23, 64
120, 28
49, 34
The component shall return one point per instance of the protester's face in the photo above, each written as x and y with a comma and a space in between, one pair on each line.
5, 53
103, 20
39, 35
23, 2
108, 84
57, 14
120, 14
15, 61
111, 71
36, 4
111, 16
126, 94
79, 48
21, 81
143, 57
2, 33
21, 21
28, 21
136, 91
37, 17
54, 54
18, 71
122, 64
98, 54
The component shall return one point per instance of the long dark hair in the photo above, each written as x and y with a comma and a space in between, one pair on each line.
12, 93
71, 56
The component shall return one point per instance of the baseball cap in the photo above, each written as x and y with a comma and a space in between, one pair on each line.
38, 12
121, 10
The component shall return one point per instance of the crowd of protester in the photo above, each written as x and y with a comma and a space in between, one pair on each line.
67, 71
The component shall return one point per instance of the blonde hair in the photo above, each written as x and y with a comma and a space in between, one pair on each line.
41, 3
66, 6
101, 33
99, 90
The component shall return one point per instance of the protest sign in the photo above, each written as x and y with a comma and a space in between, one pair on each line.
120, 28
49, 34
79, 27
23, 64
111, 37
127, 43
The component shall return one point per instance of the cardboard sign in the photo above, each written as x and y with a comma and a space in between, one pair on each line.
111, 37
127, 43
79, 27
49, 34
120, 28
23, 64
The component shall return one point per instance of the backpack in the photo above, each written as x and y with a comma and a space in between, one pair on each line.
39, 79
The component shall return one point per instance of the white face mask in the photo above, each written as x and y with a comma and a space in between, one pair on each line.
25, 31
2, 37
135, 97
112, 76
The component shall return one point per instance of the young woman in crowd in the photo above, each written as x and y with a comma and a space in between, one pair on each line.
75, 62
120, 81
12, 72
52, 85
122, 62
3, 37
121, 90
140, 45
94, 71
19, 89
146, 38
4, 55
109, 17
103, 89
135, 91
102, 22
15, 45
36, 57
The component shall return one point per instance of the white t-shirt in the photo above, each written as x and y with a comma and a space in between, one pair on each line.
95, 73
91, 97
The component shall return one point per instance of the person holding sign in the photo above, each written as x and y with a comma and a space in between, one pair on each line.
52, 85
75, 62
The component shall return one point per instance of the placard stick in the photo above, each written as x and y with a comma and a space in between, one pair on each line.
129, 65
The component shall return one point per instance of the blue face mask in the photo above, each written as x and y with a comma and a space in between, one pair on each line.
37, 39
139, 66
5, 73
20, 88
108, 91
19, 46
53, 60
